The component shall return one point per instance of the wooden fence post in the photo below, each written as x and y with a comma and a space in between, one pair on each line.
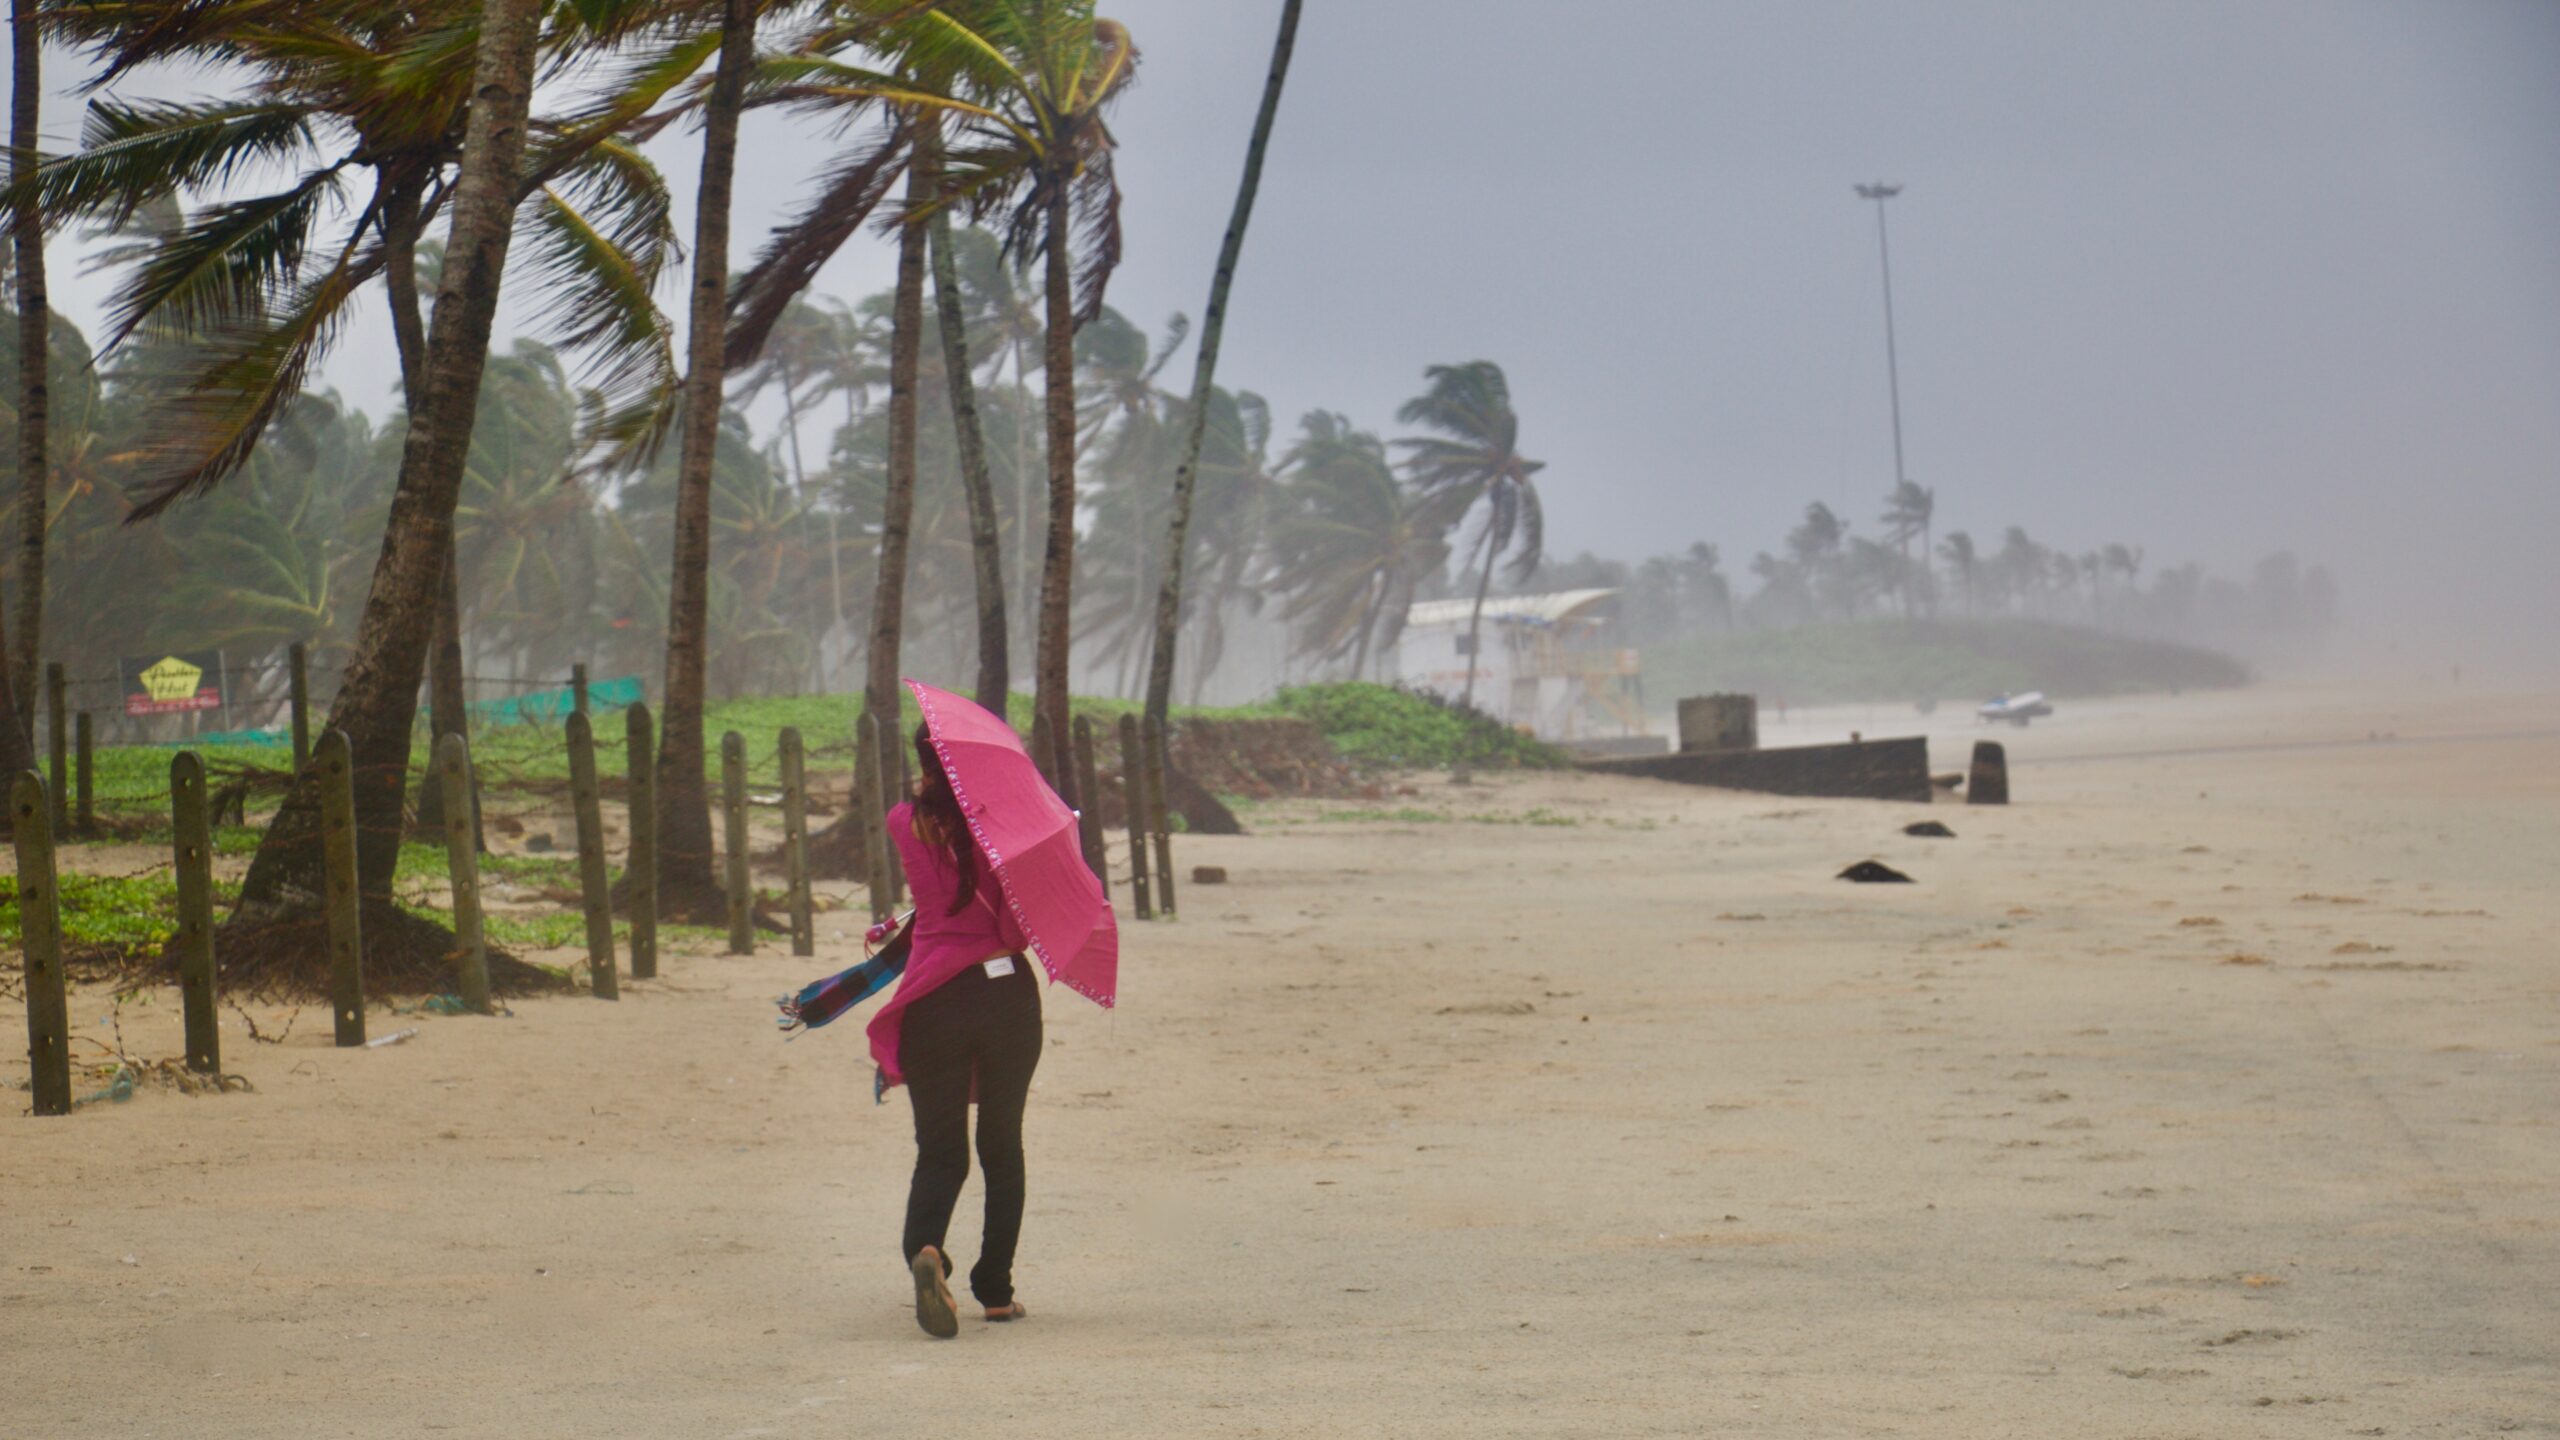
866, 812
733, 802
40, 935
1988, 784
335, 762
1159, 766
578, 688
192, 830
593, 887
299, 660
640, 866
462, 863
58, 743
1089, 817
795, 841
1133, 798
84, 804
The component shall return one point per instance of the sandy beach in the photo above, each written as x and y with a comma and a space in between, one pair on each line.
2207, 1090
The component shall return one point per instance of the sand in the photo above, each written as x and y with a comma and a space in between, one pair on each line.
2204, 1091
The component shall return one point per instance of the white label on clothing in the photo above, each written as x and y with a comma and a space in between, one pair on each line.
999, 967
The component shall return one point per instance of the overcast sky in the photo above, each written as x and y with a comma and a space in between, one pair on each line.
2213, 279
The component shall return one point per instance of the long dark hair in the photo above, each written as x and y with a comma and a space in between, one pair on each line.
944, 823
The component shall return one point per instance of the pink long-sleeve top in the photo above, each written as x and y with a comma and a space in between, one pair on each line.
943, 944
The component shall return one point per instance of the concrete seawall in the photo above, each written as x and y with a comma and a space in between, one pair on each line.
1870, 769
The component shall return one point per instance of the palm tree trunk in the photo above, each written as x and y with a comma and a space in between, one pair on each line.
1368, 627
1212, 328
1027, 583
985, 539
446, 704
897, 510
35, 326
377, 700
1057, 571
687, 885
791, 425
1475, 626
17, 751
445, 713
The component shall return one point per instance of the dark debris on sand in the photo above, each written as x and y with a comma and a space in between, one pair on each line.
1871, 872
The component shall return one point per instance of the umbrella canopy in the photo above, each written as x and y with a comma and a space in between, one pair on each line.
1030, 839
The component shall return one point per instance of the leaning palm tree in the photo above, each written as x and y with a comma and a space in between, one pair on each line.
1168, 610
1015, 91
1907, 514
1474, 463
687, 886
329, 92
377, 698
1961, 558
1042, 73
895, 115
1348, 546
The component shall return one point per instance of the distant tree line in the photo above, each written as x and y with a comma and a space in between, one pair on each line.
1823, 571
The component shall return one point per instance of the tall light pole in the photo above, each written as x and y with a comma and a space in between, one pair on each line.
1880, 192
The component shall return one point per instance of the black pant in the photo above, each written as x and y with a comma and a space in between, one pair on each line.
987, 1031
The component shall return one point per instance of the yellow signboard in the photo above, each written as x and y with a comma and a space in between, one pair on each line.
191, 680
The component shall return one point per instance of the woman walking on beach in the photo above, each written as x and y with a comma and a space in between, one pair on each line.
964, 1025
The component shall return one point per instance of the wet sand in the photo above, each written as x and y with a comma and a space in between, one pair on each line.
2207, 1090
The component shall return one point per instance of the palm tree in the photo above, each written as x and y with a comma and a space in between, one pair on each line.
1475, 460
522, 533
1959, 552
897, 116
35, 335
986, 542
259, 283
1703, 583
1238, 491
687, 886
1203, 377
1348, 545
1816, 547
377, 696
793, 365
1122, 425
1037, 148
1907, 513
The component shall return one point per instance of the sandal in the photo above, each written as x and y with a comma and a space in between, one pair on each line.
935, 1310
1000, 1314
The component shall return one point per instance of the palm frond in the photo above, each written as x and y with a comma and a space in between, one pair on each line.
629, 94
600, 240
123, 34
853, 188
1095, 203
134, 154
222, 267
207, 432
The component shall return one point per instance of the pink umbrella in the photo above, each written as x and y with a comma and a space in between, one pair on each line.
1030, 839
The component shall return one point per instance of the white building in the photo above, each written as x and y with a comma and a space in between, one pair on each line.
1551, 663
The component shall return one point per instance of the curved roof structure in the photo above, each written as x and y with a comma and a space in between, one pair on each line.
1552, 609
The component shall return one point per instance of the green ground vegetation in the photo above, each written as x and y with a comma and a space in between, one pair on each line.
1386, 728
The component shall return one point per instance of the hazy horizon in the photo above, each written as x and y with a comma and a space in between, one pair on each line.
2210, 280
